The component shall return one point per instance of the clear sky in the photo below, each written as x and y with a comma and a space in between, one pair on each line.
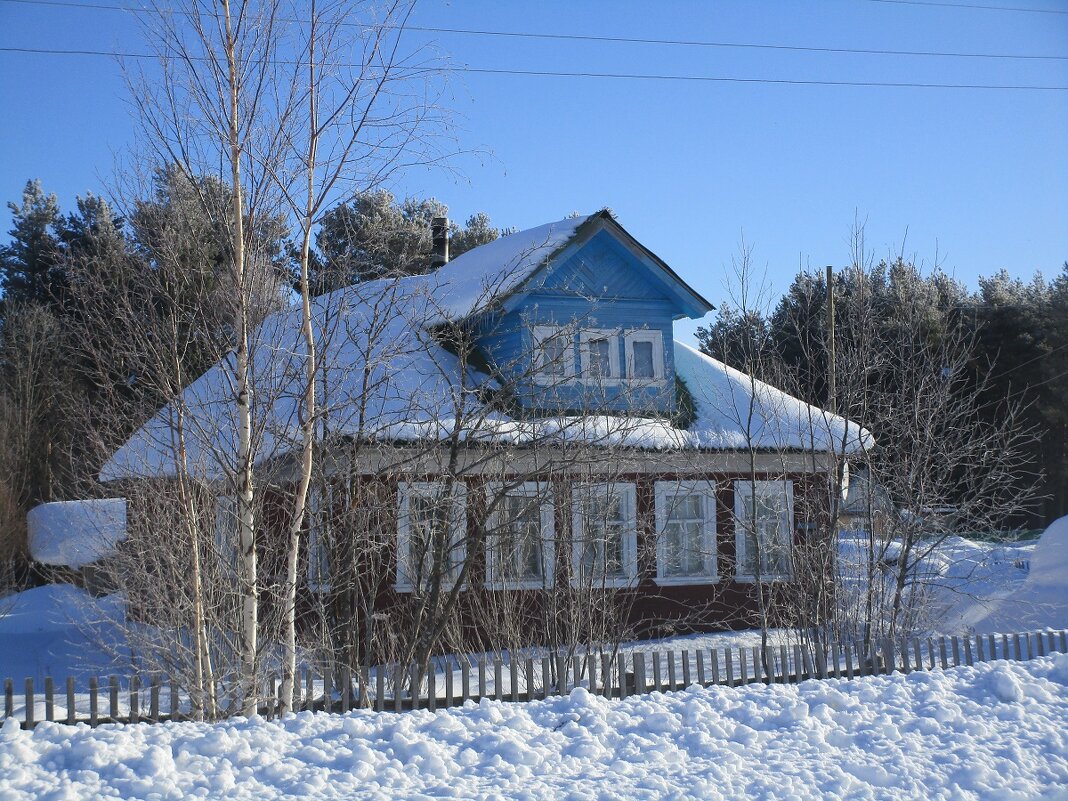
979, 177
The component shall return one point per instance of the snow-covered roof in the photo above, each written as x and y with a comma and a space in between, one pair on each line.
385, 377
76, 533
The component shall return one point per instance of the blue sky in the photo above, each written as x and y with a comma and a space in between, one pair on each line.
979, 177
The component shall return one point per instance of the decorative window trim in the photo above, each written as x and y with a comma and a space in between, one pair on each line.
457, 530
628, 493
743, 491
664, 490
612, 335
656, 338
530, 489
319, 579
541, 333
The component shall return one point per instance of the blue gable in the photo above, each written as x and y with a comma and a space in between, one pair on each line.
591, 329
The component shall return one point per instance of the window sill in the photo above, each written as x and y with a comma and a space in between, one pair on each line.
769, 579
519, 585
614, 583
684, 581
407, 589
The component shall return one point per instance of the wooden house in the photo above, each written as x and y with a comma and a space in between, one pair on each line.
520, 423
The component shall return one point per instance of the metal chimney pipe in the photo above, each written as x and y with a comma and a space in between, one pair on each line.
439, 251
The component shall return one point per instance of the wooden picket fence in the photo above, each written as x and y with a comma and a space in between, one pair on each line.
534, 676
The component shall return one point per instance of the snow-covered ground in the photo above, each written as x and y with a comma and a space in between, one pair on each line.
996, 730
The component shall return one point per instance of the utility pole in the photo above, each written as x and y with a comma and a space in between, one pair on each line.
832, 388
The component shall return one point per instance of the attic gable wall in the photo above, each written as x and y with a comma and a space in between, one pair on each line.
600, 284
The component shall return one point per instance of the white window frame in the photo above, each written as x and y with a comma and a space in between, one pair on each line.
227, 534
457, 530
540, 334
628, 493
743, 493
612, 335
318, 551
654, 337
529, 489
665, 491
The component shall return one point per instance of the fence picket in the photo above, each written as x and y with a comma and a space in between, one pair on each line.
700, 666
380, 688
498, 679
530, 679
561, 673
956, 650
546, 678
743, 669
153, 696
849, 660
398, 685
968, 650
942, 652
135, 698
638, 663
174, 699
72, 712
345, 686
758, 668
448, 682
362, 696
1016, 647
1064, 642
714, 657
657, 682
432, 689
465, 680
672, 684
50, 699
9, 698
113, 681
93, 701
1040, 644
30, 711
729, 657
513, 676
622, 670
482, 677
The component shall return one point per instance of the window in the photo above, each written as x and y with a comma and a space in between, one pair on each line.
599, 355
554, 355
431, 533
645, 355
227, 547
686, 532
605, 535
763, 539
519, 545
318, 547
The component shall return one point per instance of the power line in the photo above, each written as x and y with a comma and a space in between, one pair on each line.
606, 75
616, 39
970, 6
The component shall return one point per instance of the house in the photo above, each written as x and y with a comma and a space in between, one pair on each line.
515, 430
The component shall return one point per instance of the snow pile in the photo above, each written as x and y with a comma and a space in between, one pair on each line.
1037, 599
59, 630
992, 731
76, 533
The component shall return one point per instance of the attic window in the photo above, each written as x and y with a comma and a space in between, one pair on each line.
554, 356
599, 355
645, 355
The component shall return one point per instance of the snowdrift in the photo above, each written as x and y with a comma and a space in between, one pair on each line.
992, 731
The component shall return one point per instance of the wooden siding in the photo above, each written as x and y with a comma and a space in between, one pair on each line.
652, 609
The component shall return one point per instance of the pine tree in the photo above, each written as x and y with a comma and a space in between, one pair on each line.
28, 264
